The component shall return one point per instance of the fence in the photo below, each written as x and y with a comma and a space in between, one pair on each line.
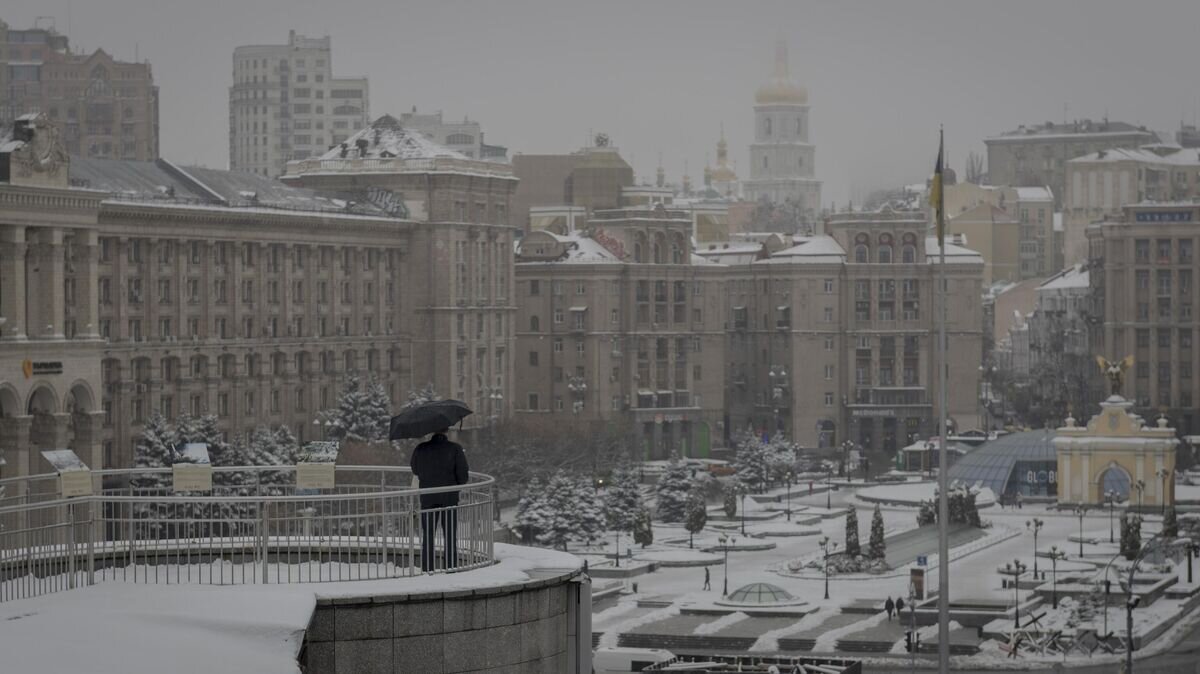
254, 526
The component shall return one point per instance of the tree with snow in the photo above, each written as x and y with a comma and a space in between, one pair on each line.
359, 415
153, 449
589, 511
877, 548
378, 407
780, 457
425, 394
531, 511
672, 491
926, 514
729, 497
751, 464
853, 549
697, 512
561, 514
1131, 535
1170, 523
643, 530
623, 500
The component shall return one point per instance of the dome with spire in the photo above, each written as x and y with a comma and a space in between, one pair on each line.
781, 88
723, 174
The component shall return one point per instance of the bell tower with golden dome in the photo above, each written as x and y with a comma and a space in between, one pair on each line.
782, 160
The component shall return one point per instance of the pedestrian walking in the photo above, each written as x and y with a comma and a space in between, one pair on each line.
1019, 500
899, 605
889, 606
438, 462
707, 579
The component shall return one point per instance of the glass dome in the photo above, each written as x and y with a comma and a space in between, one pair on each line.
1024, 463
760, 593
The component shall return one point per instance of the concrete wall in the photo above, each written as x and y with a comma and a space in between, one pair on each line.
509, 629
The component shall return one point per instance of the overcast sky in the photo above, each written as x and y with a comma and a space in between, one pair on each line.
660, 77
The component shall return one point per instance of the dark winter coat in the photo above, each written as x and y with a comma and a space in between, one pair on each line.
438, 462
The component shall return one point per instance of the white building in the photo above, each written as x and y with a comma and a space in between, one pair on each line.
286, 104
782, 160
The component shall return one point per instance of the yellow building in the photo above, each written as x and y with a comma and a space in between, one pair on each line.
994, 234
1115, 453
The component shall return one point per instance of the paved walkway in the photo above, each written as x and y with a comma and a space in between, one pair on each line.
905, 547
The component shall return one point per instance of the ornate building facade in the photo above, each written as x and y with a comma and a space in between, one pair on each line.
782, 160
144, 286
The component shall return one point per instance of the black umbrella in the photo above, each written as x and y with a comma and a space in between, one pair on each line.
427, 418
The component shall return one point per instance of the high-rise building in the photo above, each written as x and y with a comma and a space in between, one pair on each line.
1037, 156
286, 104
103, 107
782, 160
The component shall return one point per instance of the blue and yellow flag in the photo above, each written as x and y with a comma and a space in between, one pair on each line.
936, 198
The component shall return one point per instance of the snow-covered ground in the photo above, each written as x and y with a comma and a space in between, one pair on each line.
153, 628
913, 493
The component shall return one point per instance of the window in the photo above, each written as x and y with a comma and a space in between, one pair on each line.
829, 399
535, 288
1143, 338
533, 401
533, 358
860, 254
828, 286
828, 316
829, 343
558, 345
828, 372
884, 254
908, 254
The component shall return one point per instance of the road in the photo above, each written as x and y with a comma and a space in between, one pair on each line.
905, 547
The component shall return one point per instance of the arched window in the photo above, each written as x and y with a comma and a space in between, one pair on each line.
885, 254
860, 253
535, 324
908, 254
638, 252
767, 126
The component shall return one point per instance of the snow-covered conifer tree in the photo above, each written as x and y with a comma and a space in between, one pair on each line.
531, 510
561, 511
643, 530
697, 512
672, 491
589, 509
750, 462
623, 500
153, 449
853, 549
876, 548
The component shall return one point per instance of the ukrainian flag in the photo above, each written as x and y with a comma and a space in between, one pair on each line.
936, 198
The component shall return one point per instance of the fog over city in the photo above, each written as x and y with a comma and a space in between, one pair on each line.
609, 337
661, 77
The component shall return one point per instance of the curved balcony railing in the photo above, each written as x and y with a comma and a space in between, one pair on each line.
254, 526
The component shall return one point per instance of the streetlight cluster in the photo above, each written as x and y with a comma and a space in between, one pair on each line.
827, 546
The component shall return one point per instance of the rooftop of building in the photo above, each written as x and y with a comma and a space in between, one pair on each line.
1075, 276
386, 138
1150, 154
992, 464
1079, 127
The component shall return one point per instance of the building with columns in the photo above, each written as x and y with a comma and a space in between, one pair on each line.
131, 287
782, 160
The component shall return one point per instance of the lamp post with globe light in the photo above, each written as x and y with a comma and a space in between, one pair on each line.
1111, 497
827, 546
1080, 511
1035, 525
1162, 474
1140, 486
1016, 568
1055, 555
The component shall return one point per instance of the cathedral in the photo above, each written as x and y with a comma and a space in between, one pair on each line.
782, 160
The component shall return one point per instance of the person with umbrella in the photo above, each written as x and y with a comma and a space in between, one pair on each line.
437, 462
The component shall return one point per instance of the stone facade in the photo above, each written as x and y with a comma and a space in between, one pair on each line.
527, 628
103, 107
286, 104
209, 296
1143, 280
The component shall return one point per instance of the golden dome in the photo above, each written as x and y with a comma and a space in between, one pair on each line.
781, 88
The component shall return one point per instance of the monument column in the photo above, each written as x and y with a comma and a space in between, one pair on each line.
87, 297
12, 282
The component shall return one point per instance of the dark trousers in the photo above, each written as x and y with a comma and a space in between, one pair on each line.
431, 520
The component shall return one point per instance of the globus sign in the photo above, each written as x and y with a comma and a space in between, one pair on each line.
1041, 477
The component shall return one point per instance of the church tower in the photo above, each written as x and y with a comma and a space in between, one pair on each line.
782, 160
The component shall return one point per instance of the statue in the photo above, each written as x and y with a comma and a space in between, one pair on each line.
1115, 372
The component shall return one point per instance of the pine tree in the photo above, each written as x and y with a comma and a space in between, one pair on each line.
425, 394
623, 500
926, 514
589, 512
378, 408
643, 531
560, 517
853, 549
780, 457
1170, 524
697, 512
729, 498
530, 510
153, 449
971, 509
751, 464
359, 415
672, 491
877, 548
1131, 535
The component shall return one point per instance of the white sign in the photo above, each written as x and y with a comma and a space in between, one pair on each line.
315, 476
192, 477
74, 477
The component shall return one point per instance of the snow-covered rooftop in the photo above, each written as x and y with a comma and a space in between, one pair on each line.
385, 138
1034, 194
1168, 155
820, 249
1075, 276
954, 252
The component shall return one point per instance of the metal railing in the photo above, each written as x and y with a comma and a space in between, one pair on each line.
255, 526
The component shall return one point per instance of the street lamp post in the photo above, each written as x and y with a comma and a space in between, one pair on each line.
743, 509
1034, 525
1055, 555
829, 491
1016, 568
1111, 497
826, 547
789, 495
1080, 511
1140, 486
1162, 495
725, 541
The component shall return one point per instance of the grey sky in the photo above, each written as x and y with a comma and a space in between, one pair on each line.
662, 76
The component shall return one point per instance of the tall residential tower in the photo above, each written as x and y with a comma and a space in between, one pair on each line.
286, 104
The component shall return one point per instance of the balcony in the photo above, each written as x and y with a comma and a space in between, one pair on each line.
890, 396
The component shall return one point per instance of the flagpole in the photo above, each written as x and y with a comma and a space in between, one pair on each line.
943, 496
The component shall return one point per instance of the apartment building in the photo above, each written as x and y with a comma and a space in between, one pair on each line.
1101, 183
103, 107
285, 103
1143, 283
